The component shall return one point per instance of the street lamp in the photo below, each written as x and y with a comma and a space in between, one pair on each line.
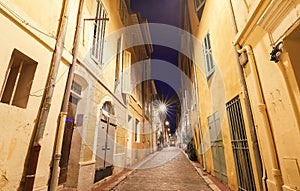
162, 108
167, 123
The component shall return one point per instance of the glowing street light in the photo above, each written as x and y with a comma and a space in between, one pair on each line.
163, 108
167, 123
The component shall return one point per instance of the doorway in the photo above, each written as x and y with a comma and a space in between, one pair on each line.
240, 146
217, 147
67, 139
105, 143
129, 142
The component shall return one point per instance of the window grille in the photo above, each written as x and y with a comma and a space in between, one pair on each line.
240, 145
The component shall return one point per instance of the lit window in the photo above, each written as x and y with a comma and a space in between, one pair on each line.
207, 52
18, 81
99, 32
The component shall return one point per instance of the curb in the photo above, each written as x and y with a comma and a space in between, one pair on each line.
208, 181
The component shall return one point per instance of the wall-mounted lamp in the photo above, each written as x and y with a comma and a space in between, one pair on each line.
277, 50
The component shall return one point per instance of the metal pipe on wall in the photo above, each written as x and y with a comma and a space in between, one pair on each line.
64, 110
198, 118
260, 166
47, 98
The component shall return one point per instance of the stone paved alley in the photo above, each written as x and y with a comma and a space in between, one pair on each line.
168, 169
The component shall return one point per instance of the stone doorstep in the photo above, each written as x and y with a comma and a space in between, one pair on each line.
111, 182
211, 181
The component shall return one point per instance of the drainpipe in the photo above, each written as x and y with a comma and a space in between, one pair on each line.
257, 157
64, 110
47, 98
198, 118
264, 115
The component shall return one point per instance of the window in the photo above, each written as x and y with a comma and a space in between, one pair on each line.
99, 32
217, 147
119, 63
123, 11
137, 131
76, 88
140, 93
126, 75
107, 107
18, 81
199, 5
209, 63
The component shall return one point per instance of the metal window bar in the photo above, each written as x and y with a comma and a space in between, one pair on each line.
240, 146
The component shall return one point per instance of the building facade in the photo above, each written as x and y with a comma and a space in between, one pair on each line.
93, 54
246, 68
266, 35
29, 41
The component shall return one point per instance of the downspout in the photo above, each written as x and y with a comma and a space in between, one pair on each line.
198, 118
47, 98
64, 110
264, 114
257, 156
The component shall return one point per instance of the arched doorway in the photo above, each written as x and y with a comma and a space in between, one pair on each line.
105, 142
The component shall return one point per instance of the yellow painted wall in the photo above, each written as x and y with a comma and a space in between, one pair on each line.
279, 86
223, 85
18, 129
17, 123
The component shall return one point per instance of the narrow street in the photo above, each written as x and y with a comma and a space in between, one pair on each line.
168, 169
101, 95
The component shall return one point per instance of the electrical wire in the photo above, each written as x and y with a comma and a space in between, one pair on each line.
33, 94
23, 21
59, 78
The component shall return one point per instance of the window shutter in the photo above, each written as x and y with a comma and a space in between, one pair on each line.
126, 75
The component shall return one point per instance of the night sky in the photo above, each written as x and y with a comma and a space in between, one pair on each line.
165, 12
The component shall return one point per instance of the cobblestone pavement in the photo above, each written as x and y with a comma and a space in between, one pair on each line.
168, 170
